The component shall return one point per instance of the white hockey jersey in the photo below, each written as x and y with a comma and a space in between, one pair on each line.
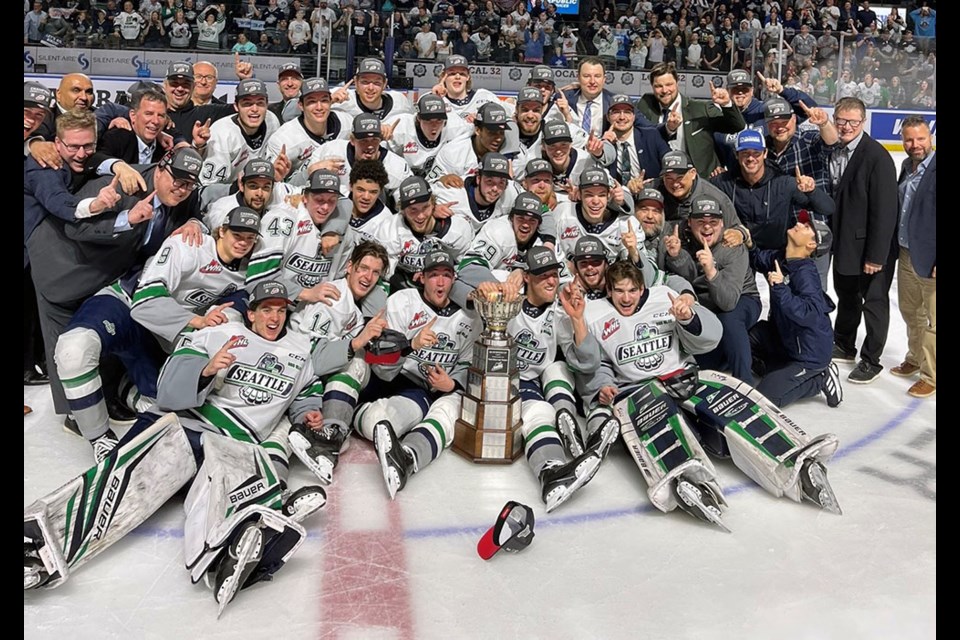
466, 206
229, 148
456, 331
538, 332
393, 103
571, 225
397, 169
407, 249
183, 281
410, 144
340, 320
476, 98
300, 143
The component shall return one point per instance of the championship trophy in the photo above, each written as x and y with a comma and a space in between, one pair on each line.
488, 429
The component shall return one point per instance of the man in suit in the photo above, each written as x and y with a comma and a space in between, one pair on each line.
686, 124
148, 118
590, 102
639, 149
73, 260
917, 270
864, 226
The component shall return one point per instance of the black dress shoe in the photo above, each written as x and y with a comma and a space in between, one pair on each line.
33, 378
120, 412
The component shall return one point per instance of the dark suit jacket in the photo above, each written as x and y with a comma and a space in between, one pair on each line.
651, 148
865, 223
701, 119
922, 227
80, 258
122, 144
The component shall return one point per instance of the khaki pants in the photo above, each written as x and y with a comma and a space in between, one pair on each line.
917, 297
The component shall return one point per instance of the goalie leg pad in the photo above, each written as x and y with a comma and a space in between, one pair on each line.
763, 441
236, 481
87, 515
663, 445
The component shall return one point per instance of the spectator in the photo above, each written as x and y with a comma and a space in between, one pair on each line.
656, 48
534, 42
711, 54
846, 88
464, 46
694, 53
869, 91
674, 53
32, 24
830, 15
638, 54
129, 24
264, 45
179, 31
243, 45
606, 46
81, 28
210, 24
55, 26
484, 44
558, 60
444, 47
827, 46
168, 12
154, 35
917, 271
426, 42
100, 30
897, 94
866, 17
377, 35
271, 16
299, 34
923, 98
895, 25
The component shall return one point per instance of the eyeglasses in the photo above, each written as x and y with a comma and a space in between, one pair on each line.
205, 78
184, 185
844, 122
75, 148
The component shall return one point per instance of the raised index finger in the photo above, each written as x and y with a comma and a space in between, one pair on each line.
762, 79
798, 173
150, 197
776, 266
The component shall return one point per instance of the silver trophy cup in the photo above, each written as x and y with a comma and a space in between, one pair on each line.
488, 429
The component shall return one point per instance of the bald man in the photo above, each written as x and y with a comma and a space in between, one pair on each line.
205, 84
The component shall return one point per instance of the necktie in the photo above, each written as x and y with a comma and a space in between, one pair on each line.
623, 163
155, 231
588, 116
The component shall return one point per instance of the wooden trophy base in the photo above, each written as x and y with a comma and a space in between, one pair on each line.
488, 446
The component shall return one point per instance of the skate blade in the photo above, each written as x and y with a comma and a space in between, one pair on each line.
33, 575
561, 494
321, 467
391, 477
249, 548
568, 432
305, 505
693, 499
610, 430
824, 497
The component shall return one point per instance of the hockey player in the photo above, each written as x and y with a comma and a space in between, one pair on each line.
316, 125
548, 322
463, 160
569, 161
365, 143
230, 385
370, 95
724, 282
256, 191
791, 351
418, 138
456, 89
235, 140
294, 247
338, 333
481, 198
531, 121
602, 211
499, 251
417, 231
178, 291
419, 396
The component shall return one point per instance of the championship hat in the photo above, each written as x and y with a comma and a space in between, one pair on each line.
456, 61
675, 162
777, 108
313, 85
184, 163
556, 131
620, 101
323, 181
36, 95
530, 94
704, 207
257, 168
750, 140
438, 258
541, 259
541, 73
414, 190
372, 65
250, 87
537, 165
513, 531
739, 78
366, 125
528, 204
495, 164
588, 247
431, 107
269, 290
387, 348
593, 177
243, 219
290, 67
180, 70
650, 195
491, 116
821, 231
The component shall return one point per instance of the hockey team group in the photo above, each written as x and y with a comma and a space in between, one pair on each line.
284, 278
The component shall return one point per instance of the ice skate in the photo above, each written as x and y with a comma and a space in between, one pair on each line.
396, 461
569, 432
318, 450
601, 439
238, 563
103, 445
560, 481
304, 502
699, 501
815, 487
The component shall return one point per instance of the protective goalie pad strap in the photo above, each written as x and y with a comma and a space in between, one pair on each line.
662, 444
85, 516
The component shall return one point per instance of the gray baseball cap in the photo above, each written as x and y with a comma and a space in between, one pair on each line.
541, 259
675, 162
593, 177
290, 67
37, 95
437, 259
588, 247
269, 290
184, 163
180, 70
491, 116
776, 108
739, 77
366, 125
257, 168
414, 190
323, 181
495, 164
529, 94
537, 165
431, 107
621, 100
528, 204
649, 194
456, 61
372, 65
243, 219
556, 131
541, 73
704, 206
250, 87
821, 231
313, 85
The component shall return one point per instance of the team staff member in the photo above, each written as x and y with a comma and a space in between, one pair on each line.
917, 271
865, 190
686, 124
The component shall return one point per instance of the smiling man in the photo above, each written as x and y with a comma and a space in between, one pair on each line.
148, 119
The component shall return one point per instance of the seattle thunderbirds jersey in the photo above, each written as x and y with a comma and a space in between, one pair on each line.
409, 143
289, 249
229, 148
397, 169
471, 103
408, 249
456, 331
180, 282
571, 225
495, 247
538, 331
300, 143
340, 320
393, 103
466, 199
246, 400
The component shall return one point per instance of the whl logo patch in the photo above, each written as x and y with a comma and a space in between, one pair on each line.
419, 320
610, 327
212, 267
